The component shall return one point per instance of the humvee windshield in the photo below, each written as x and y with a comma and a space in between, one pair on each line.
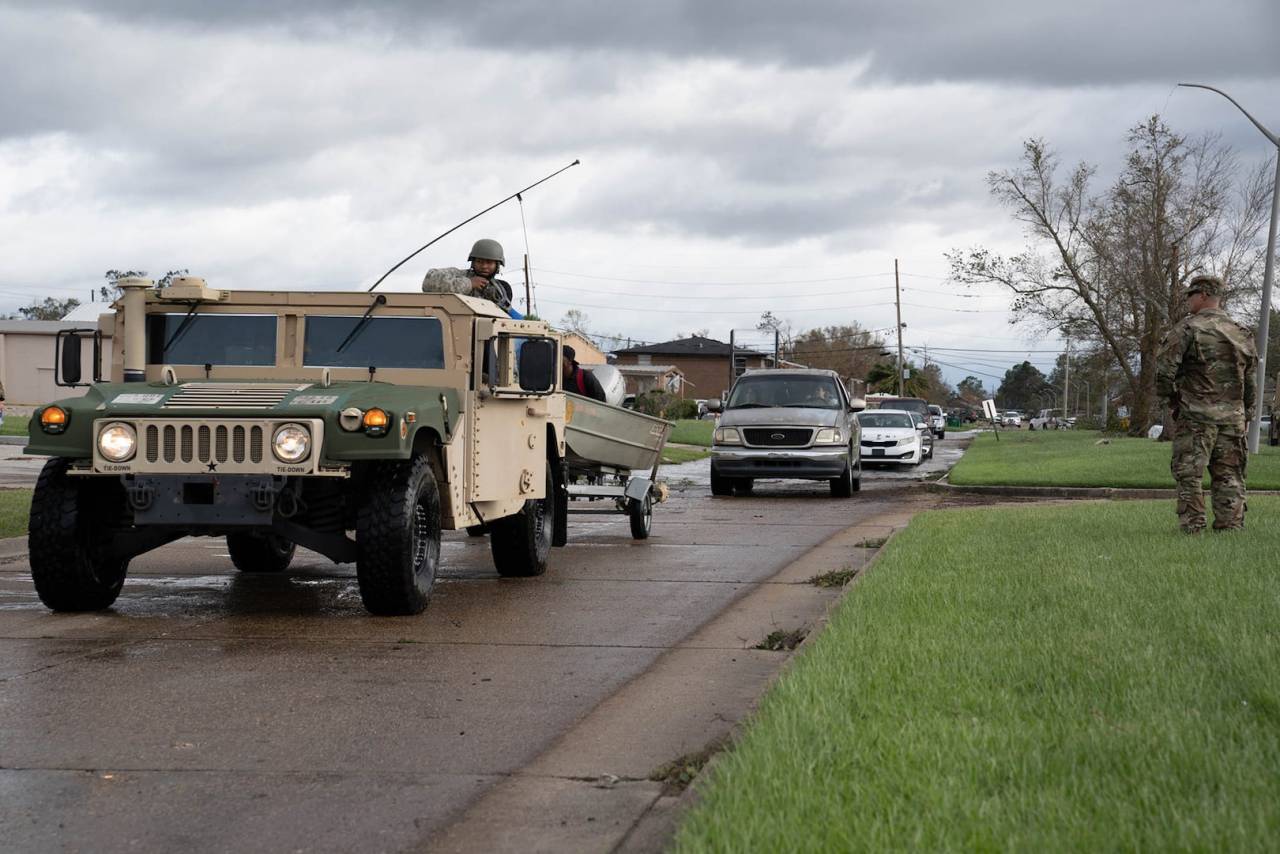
802, 392
384, 342
211, 339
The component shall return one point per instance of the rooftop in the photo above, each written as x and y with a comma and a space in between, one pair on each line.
695, 346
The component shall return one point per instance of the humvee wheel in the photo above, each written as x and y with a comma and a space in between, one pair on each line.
641, 515
398, 538
260, 552
521, 543
67, 533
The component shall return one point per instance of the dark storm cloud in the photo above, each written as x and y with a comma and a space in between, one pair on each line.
1095, 41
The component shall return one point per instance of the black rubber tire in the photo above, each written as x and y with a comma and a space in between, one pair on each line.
477, 530
640, 514
720, 485
522, 542
560, 536
857, 475
743, 485
398, 537
260, 553
844, 485
65, 536
942, 435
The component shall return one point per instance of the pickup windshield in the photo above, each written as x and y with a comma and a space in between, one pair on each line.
211, 339
383, 342
803, 392
884, 419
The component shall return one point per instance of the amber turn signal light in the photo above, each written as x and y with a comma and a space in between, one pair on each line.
53, 419
376, 422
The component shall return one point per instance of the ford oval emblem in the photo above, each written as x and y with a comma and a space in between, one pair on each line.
777, 435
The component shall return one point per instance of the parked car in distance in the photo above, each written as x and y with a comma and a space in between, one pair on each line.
1011, 418
1047, 419
917, 405
791, 424
938, 418
891, 436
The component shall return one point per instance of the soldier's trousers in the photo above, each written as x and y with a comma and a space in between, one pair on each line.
1222, 449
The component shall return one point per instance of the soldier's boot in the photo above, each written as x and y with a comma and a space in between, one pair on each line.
1190, 506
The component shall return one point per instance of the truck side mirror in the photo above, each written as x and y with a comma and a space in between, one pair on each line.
66, 357
537, 364
715, 405
70, 361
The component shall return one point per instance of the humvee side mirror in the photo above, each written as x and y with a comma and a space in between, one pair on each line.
66, 357
537, 364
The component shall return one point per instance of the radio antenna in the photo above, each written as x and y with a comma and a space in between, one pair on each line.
469, 219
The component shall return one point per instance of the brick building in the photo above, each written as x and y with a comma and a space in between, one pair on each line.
703, 362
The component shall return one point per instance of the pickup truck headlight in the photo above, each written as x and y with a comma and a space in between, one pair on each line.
291, 443
829, 436
117, 442
727, 436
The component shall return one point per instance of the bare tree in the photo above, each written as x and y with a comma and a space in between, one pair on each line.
577, 321
1107, 270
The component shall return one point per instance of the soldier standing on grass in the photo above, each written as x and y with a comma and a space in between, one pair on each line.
1205, 371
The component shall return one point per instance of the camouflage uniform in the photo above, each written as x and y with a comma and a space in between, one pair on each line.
452, 280
1206, 372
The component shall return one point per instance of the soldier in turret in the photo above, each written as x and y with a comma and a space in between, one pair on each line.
1206, 372
480, 280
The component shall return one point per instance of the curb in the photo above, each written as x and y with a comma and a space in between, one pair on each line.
13, 548
1075, 492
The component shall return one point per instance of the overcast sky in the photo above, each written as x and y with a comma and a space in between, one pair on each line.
736, 157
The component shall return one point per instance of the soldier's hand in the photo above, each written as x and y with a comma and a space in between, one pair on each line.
478, 283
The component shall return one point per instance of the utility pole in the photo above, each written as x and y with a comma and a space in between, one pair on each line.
1066, 381
897, 301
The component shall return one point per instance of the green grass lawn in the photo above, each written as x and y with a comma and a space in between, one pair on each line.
1073, 678
14, 425
683, 455
1073, 458
15, 507
692, 432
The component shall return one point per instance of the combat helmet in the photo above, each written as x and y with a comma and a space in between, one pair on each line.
1207, 284
487, 249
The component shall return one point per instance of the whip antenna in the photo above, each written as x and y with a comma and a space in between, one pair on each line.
438, 237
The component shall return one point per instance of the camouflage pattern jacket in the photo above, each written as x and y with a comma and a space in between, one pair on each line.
1206, 368
451, 280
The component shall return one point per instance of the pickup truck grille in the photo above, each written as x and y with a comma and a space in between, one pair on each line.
778, 437
226, 396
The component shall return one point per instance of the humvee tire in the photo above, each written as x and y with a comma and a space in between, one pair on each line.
66, 533
720, 485
260, 553
521, 543
641, 516
398, 537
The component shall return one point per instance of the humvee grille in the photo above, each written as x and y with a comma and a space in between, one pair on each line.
203, 443
225, 396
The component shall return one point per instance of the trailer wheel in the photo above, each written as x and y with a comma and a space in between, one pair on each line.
260, 553
640, 512
68, 529
521, 543
398, 537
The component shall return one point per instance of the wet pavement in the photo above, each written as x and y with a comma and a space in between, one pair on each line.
214, 711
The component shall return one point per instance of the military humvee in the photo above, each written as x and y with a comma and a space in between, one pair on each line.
356, 425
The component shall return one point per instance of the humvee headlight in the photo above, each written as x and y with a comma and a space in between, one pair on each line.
292, 443
727, 436
53, 419
117, 442
376, 422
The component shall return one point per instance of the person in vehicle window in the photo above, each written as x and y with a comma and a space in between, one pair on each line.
576, 379
479, 280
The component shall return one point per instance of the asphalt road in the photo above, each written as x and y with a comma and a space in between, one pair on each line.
213, 711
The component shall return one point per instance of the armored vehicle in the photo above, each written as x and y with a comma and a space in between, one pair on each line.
356, 425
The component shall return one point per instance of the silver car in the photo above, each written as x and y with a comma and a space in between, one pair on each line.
792, 424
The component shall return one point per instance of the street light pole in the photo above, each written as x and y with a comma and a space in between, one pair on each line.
1268, 275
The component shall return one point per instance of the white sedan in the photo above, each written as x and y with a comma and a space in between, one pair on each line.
890, 436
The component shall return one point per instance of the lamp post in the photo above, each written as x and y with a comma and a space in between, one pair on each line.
1269, 270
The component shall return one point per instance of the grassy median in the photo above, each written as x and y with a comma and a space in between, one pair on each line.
691, 432
1075, 458
15, 508
1040, 679
15, 425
